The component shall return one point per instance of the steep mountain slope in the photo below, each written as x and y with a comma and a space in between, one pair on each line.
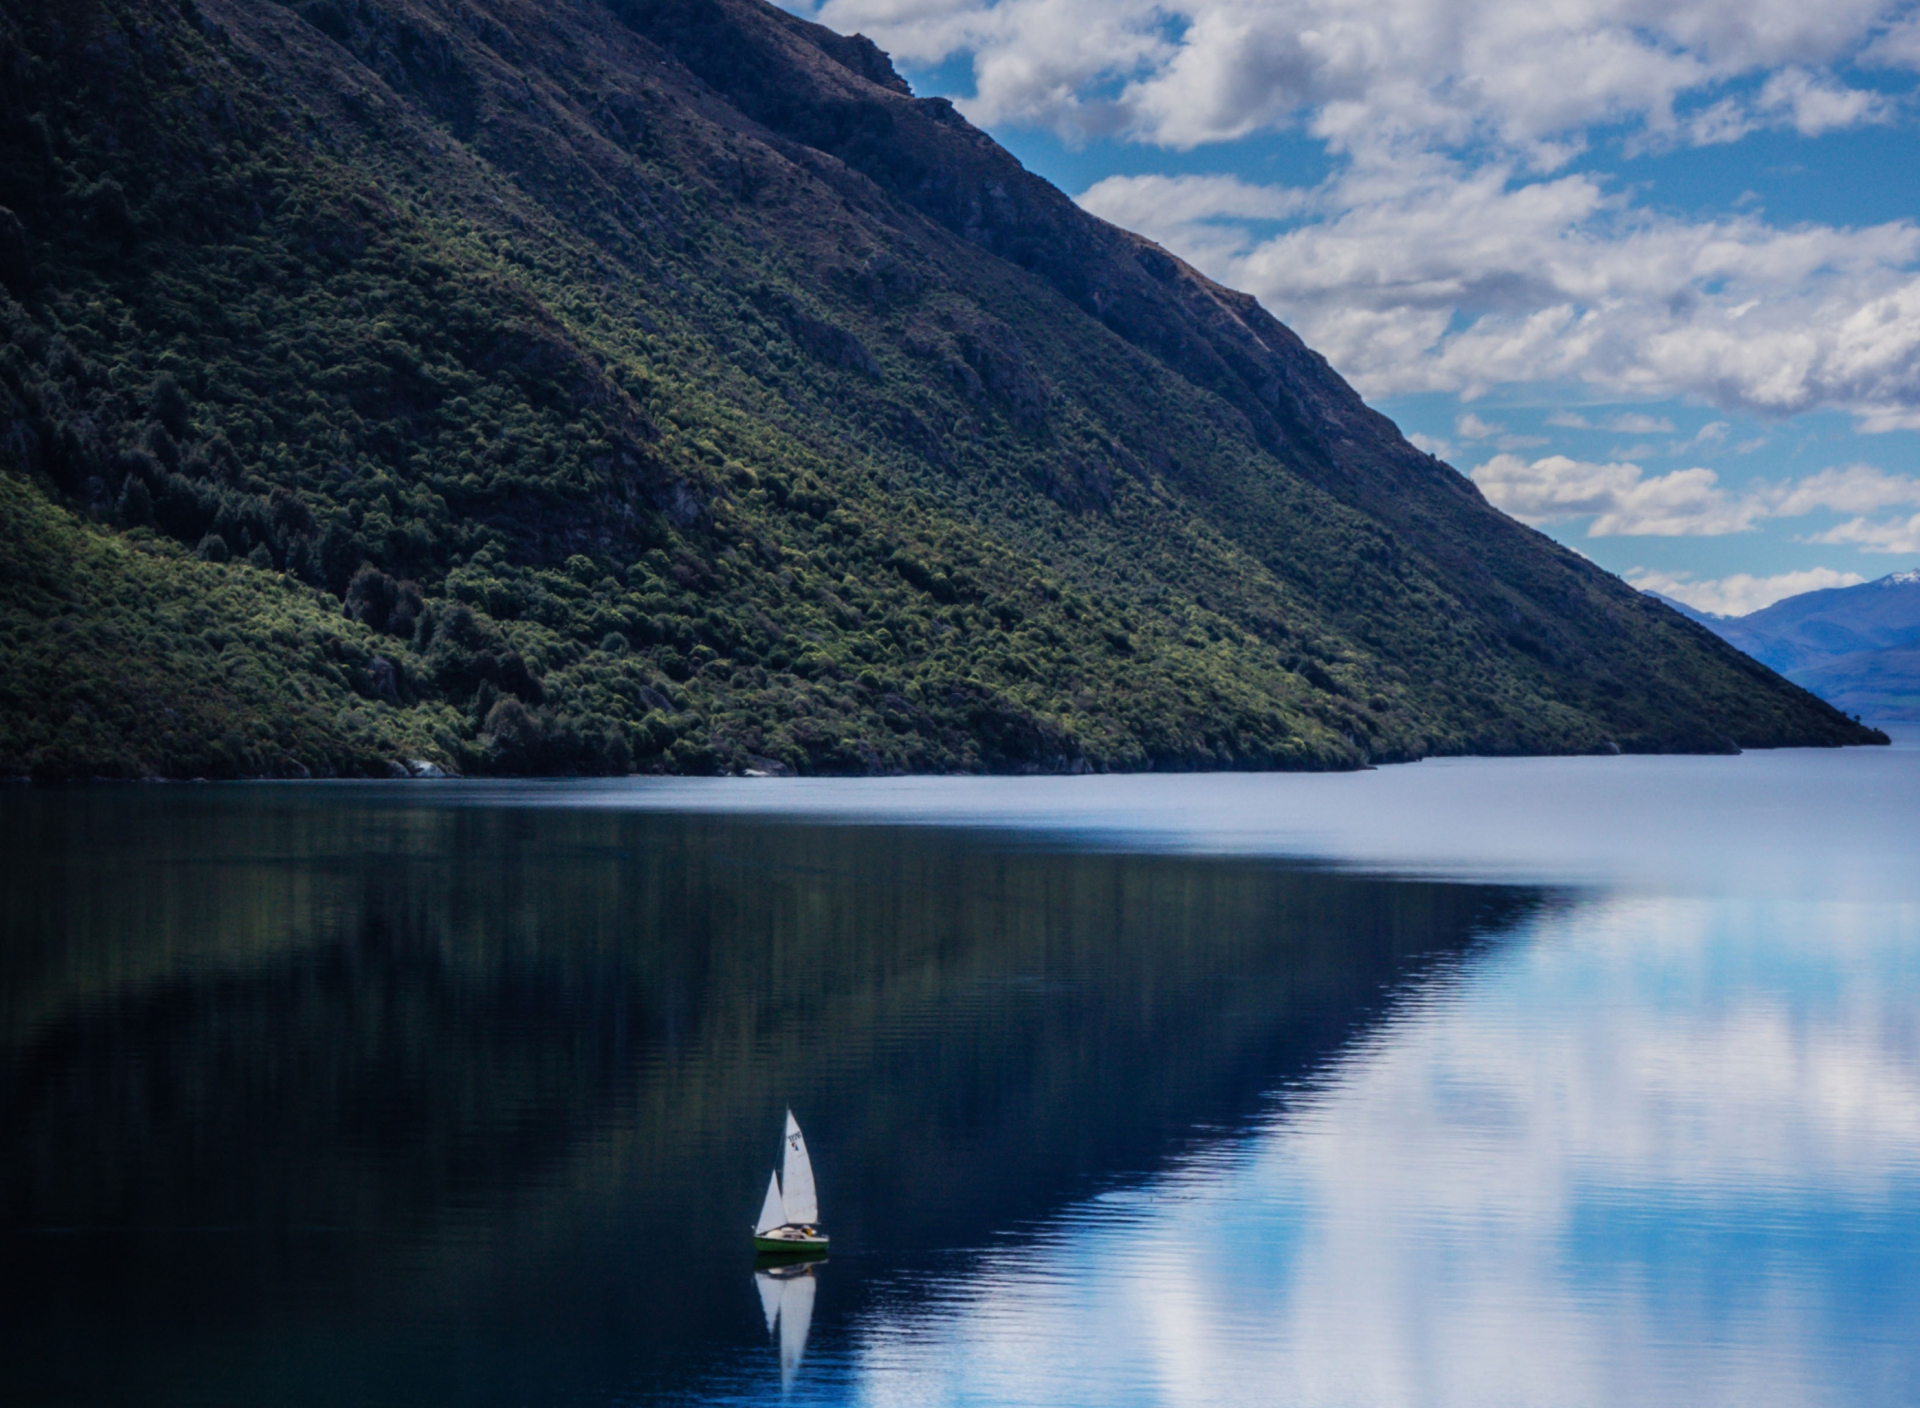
662, 385
1857, 647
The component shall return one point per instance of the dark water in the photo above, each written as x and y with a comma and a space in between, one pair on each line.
415, 1094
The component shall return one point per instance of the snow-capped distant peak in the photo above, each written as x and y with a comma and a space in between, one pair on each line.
1908, 578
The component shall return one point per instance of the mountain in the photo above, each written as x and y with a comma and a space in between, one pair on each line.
1692, 613
608, 385
1857, 647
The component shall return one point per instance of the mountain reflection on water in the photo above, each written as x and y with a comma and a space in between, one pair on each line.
318, 1095
467, 1094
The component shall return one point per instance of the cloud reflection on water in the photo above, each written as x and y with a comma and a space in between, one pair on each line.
1664, 1151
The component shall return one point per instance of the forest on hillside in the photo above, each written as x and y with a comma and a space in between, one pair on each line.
400, 384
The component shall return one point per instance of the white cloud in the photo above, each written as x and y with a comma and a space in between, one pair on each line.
1622, 501
1812, 103
1740, 594
1473, 428
1808, 102
1894, 535
1137, 201
1436, 73
1427, 275
1618, 496
1899, 47
1858, 489
1207, 210
1625, 423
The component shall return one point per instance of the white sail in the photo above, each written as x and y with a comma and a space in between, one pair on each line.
773, 1212
796, 1318
796, 1178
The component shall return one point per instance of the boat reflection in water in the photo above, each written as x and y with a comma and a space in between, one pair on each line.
786, 1288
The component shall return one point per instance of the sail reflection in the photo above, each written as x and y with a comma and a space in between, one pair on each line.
786, 1295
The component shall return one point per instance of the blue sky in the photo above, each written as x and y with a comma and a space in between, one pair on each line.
1648, 270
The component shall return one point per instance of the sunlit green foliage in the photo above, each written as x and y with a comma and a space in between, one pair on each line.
128, 658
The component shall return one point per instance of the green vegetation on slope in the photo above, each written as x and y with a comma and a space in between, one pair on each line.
126, 657
632, 434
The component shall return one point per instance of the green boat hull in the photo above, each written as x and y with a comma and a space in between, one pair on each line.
811, 1244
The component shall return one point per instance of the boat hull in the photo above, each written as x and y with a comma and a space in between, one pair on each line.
791, 1241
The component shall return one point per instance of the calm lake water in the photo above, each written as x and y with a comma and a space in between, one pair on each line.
1557, 1082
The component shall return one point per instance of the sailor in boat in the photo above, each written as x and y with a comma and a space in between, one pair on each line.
790, 1215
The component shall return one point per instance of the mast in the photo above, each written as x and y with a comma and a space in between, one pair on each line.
801, 1203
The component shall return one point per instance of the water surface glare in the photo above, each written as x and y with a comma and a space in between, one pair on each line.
1555, 1082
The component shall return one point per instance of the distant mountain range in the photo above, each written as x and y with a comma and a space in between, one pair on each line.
1856, 647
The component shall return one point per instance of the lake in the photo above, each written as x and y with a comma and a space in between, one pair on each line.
1553, 1081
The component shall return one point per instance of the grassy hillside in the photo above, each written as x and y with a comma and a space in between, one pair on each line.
661, 386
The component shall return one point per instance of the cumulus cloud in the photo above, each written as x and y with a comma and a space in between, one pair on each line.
1901, 535
1620, 498
1741, 594
1430, 275
1812, 104
1528, 77
1623, 501
1857, 488
1899, 47
1211, 212
1137, 201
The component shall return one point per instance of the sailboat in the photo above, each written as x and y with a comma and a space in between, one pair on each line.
792, 1208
